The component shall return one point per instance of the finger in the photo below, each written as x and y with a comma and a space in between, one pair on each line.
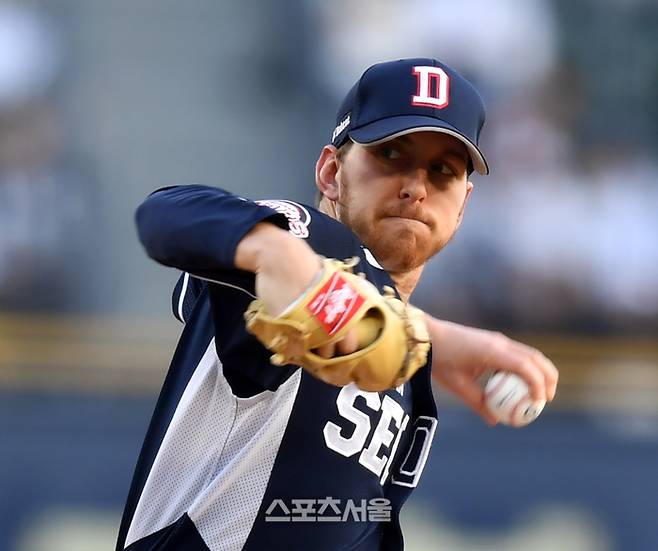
489, 418
549, 372
348, 344
326, 350
547, 368
515, 359
473, 396
551, 375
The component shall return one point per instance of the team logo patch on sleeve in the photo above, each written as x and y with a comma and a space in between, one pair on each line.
335, 304
298, 217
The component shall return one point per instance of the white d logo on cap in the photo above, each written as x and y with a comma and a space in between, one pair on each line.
433, 87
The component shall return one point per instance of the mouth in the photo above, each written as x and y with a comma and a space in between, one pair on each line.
408, 219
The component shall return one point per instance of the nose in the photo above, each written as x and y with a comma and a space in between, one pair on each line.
414, 186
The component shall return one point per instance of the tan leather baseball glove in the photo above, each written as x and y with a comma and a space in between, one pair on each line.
393, 338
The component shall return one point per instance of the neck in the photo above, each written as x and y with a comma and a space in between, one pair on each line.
328, 207
405, 282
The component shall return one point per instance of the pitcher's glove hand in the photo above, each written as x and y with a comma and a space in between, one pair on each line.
393, 338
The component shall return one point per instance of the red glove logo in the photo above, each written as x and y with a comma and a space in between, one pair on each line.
335, 303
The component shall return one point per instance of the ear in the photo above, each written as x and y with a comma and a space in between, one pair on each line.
326, 169
469, 190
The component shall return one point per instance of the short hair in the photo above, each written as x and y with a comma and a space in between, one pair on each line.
344, 149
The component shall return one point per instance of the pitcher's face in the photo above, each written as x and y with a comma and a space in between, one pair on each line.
404, 198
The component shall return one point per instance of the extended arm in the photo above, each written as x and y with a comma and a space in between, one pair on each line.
206, 231
197, 228
461, 355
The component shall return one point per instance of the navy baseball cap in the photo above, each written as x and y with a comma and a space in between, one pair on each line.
412, 95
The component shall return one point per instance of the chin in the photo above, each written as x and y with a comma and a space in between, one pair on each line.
400, 249
396, 265
400, 255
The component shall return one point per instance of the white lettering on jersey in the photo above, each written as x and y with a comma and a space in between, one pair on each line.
345, 402
412, 467
392, 422
433, 87
394, 449
298, 217
382, 437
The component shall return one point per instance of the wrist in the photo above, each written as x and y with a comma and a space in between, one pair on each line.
435, 329
257, 246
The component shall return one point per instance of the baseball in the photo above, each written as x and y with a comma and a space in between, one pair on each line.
508, 397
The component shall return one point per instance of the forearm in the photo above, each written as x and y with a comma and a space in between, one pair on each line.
198, 228
266, 247
461, 355
441, 330
443, 345
284, 264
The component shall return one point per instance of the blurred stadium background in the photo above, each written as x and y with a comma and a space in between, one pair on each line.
102, 102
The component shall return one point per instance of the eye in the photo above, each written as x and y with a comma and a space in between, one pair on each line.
443, 169
390, 153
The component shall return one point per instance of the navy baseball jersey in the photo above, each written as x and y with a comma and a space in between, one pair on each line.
242, 454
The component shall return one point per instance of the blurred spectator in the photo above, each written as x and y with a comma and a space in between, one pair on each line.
482, 38
42, 204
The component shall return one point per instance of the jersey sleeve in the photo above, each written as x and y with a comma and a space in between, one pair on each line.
197, 228
186, 293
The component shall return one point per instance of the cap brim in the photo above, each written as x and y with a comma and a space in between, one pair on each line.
387, 129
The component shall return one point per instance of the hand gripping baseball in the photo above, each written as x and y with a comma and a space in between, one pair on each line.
393, 341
